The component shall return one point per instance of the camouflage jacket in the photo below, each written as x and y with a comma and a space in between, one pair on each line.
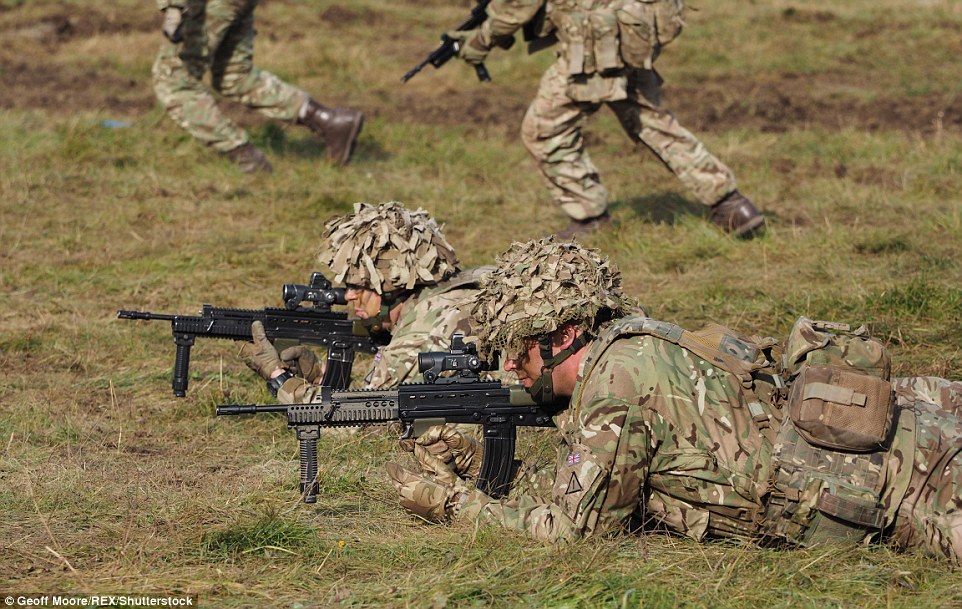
657, 436
654, 435
428, 320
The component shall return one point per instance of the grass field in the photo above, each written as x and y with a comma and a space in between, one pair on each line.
842, 120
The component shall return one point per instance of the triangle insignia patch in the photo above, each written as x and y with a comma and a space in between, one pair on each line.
574, 486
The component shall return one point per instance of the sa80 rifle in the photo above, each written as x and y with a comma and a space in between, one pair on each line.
295, 324
461, 397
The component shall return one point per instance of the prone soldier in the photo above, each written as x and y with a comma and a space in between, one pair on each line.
403, 278
218, 36
706, 434
606, 56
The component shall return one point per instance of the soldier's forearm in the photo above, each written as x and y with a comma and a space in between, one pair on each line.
534, 517
297, 391
505, 17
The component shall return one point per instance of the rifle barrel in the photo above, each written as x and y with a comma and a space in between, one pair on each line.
122, 314
230, 409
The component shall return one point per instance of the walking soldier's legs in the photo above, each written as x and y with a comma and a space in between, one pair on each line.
551, 131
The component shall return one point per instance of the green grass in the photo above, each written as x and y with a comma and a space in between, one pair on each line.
840, 120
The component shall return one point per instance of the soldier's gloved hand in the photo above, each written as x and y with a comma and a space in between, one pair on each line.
446, 453
173, 24
472, 47
429, 499
304, 363
261, 356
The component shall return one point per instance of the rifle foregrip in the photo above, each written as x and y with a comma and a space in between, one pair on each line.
497, 465
182, 364
308, 485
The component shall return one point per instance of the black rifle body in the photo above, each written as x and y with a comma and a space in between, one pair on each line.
448, 49
499, 409
284, 327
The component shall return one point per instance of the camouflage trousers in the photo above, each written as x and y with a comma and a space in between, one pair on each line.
930, 516
551, 131
219, 38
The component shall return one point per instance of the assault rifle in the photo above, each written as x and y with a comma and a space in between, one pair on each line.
461, 398
449, 47
292, 325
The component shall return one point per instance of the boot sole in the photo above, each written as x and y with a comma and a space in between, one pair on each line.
749, 227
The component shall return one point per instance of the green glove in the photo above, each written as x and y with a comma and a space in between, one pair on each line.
262, 357
431, 500
304, 363
471, 45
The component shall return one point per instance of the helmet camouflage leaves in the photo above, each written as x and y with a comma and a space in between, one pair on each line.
539, 286
387, 247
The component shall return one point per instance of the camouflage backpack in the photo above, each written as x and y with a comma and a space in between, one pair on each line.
841, 397
829, 454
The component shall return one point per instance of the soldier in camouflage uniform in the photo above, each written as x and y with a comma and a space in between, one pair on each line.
218, 36
403, 277
607, 48
687, 431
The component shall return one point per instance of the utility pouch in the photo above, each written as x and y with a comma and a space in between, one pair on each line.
669, 19
604, 38
819, 495
636, 31
574, 35
647, 25
841, 409
826, 343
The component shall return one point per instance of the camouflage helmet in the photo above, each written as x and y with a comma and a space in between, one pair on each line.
539, 286
387, 247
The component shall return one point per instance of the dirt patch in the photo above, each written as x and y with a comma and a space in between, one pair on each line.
797, 15
773, 106
57, 28
792, 102
28, 87
338, 15
456, 107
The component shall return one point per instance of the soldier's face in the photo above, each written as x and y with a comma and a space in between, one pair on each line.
527, 364
367, 303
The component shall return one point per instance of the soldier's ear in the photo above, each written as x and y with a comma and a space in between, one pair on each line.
565, 335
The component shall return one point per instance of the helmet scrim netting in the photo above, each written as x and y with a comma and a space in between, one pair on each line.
387, 247
539, 286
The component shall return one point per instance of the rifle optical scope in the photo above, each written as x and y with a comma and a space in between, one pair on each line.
319, 292
462, 358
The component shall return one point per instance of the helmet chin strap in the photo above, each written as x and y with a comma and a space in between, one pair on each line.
542, 390
388, 301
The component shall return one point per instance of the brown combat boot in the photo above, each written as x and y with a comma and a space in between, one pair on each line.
250, 159
579, 228
338, 126
735, 214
